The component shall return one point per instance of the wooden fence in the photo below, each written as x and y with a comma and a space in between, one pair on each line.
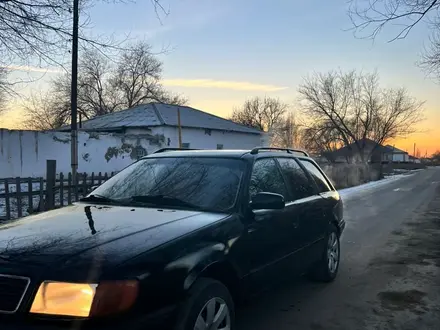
23, 196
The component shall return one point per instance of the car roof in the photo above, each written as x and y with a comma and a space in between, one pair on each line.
200, 153
224, 153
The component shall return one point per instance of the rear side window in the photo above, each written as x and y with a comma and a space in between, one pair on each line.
321, 181
296, 179
266, 177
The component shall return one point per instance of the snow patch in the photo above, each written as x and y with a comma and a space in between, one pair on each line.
352, 192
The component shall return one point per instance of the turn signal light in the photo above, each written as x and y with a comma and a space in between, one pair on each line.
114, 297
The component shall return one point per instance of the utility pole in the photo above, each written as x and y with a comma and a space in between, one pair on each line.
179, 127
74, 92
414, 153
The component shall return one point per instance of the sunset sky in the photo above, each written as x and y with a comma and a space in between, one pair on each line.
223, 52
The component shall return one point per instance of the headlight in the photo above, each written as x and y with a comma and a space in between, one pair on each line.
84, 300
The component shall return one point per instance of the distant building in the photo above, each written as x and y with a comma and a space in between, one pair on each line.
413, 159
111, 142
159, 122
372, 152
397, 155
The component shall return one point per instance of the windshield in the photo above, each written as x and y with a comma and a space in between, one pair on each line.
205, 183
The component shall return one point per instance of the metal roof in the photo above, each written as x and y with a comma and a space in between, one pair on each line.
158, 114
395, 150
352, 149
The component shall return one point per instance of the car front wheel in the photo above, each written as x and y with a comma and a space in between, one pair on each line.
208, 306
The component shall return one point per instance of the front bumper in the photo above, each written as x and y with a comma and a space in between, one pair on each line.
162, 319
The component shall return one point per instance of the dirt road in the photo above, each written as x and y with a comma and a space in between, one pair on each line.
390, 272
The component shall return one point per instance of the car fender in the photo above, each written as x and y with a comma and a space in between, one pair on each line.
192, 264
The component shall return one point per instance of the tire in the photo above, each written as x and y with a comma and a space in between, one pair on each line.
324, 271
206, 295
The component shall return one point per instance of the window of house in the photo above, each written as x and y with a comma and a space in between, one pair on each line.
320, 180
266, 177
219, 146
185, 145
296, 179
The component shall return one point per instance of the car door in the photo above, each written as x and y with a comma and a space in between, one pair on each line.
269, 232
316, 216
303, 210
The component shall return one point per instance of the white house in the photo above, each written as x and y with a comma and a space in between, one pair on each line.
200, 130
398, 155
413, 159
111, 142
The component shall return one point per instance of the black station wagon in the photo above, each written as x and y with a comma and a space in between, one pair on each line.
174, 240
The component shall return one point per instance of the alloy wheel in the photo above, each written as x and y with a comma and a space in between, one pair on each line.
333, 252
215, 315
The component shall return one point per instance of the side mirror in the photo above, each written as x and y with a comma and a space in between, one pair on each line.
267, 201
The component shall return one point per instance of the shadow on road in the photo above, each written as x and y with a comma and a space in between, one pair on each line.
276, 308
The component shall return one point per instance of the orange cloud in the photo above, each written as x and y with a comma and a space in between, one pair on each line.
223, 84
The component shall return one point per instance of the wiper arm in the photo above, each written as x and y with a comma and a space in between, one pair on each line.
163, 200
98, 198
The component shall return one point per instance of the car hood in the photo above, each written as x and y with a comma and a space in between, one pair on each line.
84, 234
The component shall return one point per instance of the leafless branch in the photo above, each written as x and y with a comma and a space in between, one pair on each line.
350, 108
4, 88
42, 29
131, 78
261, 113
45, 111
370, 17
431, 59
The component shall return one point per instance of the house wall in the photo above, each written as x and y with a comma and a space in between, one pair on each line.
24, 153
400, 157
386, 157
204, 139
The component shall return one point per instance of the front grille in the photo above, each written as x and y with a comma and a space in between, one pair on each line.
12, 290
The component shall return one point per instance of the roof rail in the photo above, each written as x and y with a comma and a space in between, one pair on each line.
172, 149
288, 150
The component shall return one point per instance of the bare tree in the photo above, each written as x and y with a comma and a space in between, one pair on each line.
370, 17
436, 157
94, 97
138, 74
351, 108
431, 57
287, 133
4, 88
45, 112
34, 28
42, 29
321, 139
261, 113
39, 32
136, 78
165, 96
106, 85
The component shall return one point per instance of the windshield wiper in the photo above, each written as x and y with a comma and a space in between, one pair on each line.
162, 200
99, 198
